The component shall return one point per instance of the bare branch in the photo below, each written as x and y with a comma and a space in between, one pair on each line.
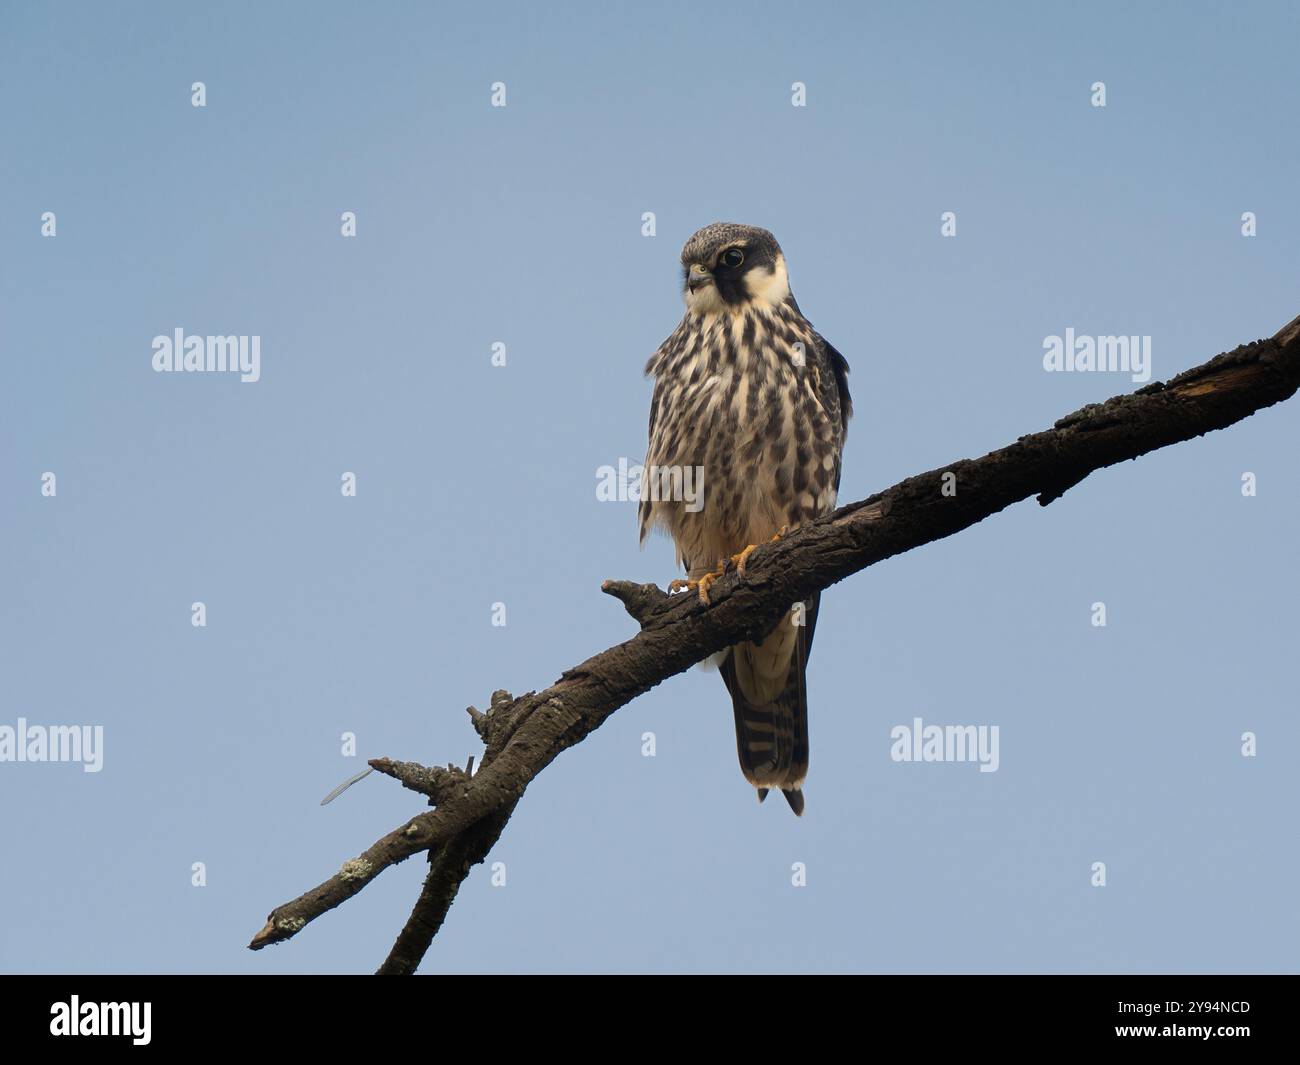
448, 867
525, 734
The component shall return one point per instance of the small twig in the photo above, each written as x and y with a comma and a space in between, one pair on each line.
642, 601
437, 783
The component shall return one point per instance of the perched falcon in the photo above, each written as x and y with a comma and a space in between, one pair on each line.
750, 395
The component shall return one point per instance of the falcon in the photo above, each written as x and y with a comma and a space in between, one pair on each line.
756, 402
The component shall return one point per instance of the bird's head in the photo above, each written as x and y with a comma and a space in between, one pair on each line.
726, 266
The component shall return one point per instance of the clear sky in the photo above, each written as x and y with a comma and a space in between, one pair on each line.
476, 484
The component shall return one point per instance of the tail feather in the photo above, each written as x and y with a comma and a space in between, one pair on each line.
772, 718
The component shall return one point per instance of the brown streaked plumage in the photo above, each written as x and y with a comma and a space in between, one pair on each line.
747, 391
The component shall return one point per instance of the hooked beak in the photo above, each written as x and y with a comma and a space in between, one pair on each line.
697, 277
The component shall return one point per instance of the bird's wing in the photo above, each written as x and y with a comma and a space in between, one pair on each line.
840, 374
656, 366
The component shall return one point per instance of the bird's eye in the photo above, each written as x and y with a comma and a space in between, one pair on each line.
733, 257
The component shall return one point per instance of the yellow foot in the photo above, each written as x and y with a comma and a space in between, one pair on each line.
702, 584
740, 559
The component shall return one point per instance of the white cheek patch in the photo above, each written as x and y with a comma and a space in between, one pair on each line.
770, 288
704, 300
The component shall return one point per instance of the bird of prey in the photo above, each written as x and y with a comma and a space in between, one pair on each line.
748, 394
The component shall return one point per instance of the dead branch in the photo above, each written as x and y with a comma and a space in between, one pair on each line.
524, 735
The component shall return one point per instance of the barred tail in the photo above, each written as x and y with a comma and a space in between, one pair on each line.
771, 708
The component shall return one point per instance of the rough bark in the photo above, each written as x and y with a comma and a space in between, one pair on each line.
524, 735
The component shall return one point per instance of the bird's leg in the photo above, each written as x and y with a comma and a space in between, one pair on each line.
701, 583
739, 560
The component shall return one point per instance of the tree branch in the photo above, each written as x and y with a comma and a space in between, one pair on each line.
524, 735
448, 867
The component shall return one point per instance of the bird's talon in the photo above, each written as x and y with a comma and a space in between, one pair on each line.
701, 584
739, 560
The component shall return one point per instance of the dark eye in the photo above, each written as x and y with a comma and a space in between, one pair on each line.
733, 257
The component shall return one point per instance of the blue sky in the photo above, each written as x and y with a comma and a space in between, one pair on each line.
476, 484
